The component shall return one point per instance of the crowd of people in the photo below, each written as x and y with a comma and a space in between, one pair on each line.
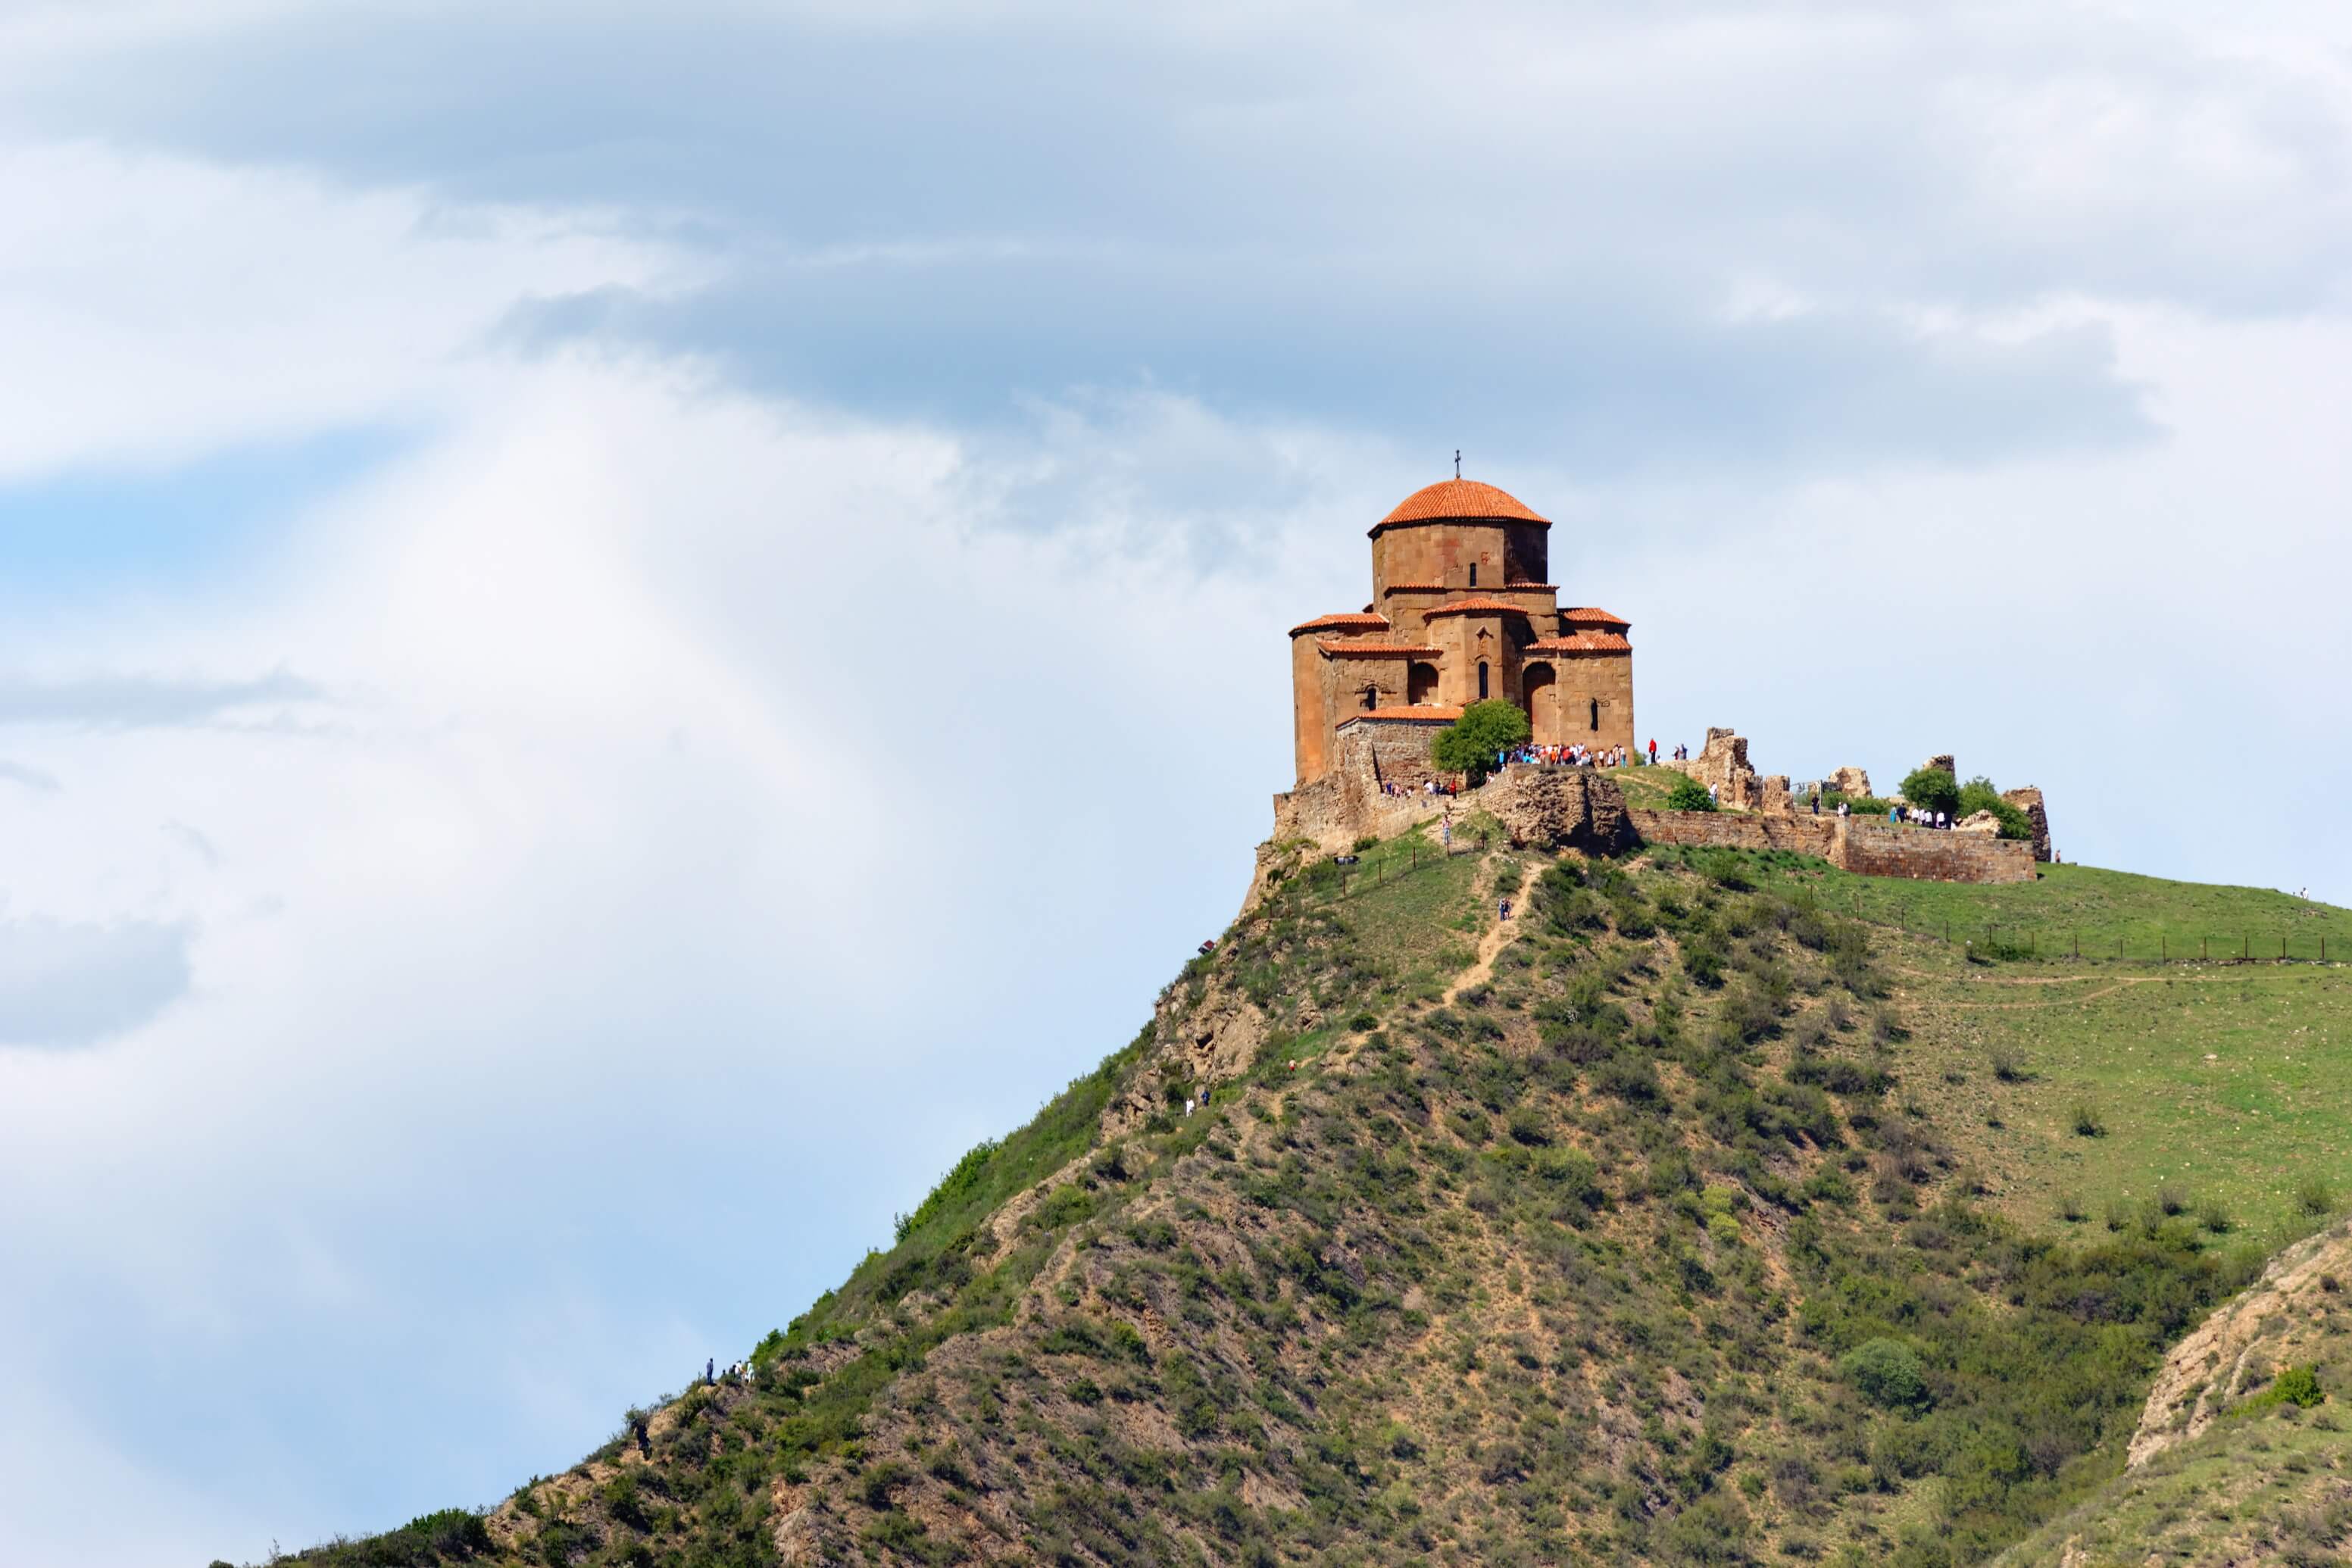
1565, 756
1428, 787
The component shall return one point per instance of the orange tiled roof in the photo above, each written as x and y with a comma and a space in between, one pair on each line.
1429, 715
1351, 623
1374, 650
1587, 614
1416, 588
1528, 588
1460, 498
1583, 642
1475, 607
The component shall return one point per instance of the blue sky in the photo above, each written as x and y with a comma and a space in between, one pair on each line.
627, 627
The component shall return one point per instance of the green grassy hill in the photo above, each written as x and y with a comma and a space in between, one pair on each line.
1714, 1211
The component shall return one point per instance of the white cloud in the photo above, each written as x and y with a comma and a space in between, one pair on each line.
172, 307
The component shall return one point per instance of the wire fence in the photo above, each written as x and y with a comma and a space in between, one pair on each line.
2010, 942
1338, 877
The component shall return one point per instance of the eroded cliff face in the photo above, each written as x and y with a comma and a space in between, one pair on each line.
2297, 1314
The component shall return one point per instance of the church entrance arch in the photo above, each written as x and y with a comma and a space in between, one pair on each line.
1539, 686
1420, 683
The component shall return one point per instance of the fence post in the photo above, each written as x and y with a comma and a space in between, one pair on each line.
2244, 950
2204, 947
2078, 945
2164, 947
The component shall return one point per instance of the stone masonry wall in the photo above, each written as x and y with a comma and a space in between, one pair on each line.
1347, 801
1806, 835
1876, 849
1863, 844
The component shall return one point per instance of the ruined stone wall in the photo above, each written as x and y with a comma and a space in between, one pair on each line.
1722, 765
1863, 845
2028, 801
1347, 801
1806, 835
1876, 849
1398, 750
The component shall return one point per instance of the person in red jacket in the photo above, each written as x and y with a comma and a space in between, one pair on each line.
1654, 752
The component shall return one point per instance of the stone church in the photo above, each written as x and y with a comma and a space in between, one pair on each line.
1461, 611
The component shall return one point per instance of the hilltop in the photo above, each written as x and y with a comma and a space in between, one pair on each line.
1715, 1208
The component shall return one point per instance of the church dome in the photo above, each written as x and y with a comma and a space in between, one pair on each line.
1464, 498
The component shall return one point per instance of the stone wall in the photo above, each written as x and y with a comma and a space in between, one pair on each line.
1863, 844
1347, 801
1805, 835
1397, 749
1584, 687
1879, 848
2028, 801
1723, 767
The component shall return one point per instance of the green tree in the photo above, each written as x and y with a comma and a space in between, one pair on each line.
1689, 794
1932, 789
1979, 794
1468, 746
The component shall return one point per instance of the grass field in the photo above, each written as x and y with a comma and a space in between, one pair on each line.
1647, 788
2265, 1491
2152, 918
2226, 1086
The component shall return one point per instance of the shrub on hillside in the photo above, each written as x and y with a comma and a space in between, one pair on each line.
1932, 789
2298, 1387
1469, 744
1887, 1373
1689, 794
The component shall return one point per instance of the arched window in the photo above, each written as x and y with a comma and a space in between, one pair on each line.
1482, 680
1473, 574
1371, 698
1596, 715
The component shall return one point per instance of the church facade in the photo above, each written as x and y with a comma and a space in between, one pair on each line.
1461, 611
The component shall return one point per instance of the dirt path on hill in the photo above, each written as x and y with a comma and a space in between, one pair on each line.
1483, 969
2109, 989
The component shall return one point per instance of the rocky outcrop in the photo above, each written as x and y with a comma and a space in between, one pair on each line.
2028, 801
1558, 808
1979, 822
1851, 783
1942, 763
2287, 1318
1198, 1043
